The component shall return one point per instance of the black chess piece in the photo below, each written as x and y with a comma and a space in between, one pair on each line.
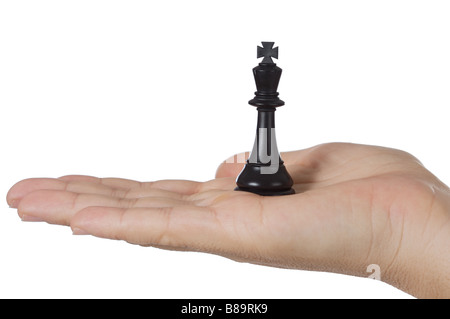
265, 173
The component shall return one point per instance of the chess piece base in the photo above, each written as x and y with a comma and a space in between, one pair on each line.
266, 193
278, 182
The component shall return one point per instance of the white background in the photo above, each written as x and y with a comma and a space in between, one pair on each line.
153, 90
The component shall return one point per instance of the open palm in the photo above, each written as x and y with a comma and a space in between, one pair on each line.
355, 205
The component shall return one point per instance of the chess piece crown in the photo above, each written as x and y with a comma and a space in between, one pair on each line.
267, 77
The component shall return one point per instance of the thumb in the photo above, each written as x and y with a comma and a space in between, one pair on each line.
232, 166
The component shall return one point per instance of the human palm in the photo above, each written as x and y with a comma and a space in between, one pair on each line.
355, 205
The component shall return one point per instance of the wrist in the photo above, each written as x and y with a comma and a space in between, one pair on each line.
422, 268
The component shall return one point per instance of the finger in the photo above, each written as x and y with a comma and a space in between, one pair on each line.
228, 227
20, 189
111, 182
24, 187
92, 185
178, 186
189, 227
155, 188
58, 207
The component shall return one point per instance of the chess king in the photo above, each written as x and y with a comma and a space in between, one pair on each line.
265, 173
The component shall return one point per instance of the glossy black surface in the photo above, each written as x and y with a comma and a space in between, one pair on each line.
264, 172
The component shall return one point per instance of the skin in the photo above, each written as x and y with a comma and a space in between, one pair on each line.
355, 206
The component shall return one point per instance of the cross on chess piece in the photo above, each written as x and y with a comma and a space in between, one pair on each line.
267, 51
265, 173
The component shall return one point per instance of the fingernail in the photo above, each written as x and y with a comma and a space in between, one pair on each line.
79, 231
29, 218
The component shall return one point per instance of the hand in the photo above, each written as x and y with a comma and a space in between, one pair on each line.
355, 205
